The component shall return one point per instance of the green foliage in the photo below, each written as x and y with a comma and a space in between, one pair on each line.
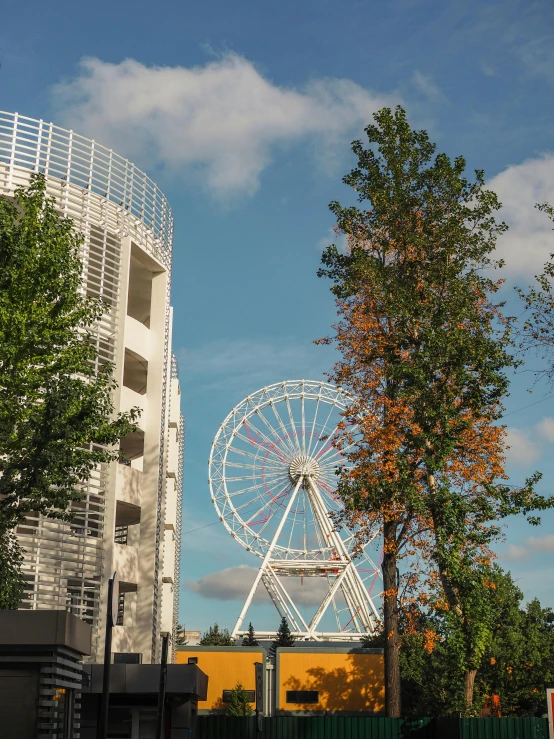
11, 580
216, 638
284, 637
56, 412
250, 638
239, 704
425, 353
516, 663
181, 637
537, 333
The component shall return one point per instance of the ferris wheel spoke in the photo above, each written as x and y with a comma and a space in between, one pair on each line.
253, 488
293, 425
269, 503
267, 444
250, 455
271, 455
305, 521
303, 423
283, 428
312, 433
332, 451
273, 431
321, 433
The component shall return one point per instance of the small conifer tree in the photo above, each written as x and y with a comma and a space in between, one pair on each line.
284, 637
239, 704
216, 638
250, 638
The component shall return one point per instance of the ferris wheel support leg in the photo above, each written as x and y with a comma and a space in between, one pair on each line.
323, 607
266, 560
359, 603
287, 602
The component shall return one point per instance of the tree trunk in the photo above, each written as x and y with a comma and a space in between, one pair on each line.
468, 687
390, 587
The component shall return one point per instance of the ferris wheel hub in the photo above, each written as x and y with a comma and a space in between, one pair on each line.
303, 466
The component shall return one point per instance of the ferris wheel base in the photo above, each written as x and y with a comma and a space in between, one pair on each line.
322, 636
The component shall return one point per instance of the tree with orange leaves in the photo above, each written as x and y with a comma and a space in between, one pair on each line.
424, 353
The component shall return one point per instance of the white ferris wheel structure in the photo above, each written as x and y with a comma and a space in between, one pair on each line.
273, 481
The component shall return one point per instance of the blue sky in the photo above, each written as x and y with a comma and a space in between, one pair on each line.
243, 113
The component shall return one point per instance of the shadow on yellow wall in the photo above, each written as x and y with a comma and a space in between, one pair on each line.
356, 686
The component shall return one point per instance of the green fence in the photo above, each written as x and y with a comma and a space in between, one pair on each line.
357, 727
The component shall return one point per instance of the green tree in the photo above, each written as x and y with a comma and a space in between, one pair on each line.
250, 638
239, 705
424, 353
516, 665
11, 580
213, 637
181, 635
284, 637
56, 413
537, 333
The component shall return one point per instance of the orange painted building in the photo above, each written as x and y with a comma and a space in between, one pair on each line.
329, 680
307, 680
225, 667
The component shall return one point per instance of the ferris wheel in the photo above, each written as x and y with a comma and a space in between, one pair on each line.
273, 481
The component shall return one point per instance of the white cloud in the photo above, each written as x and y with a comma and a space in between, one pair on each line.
247, 364
541, 543
234, 583
523, 450
427, 87
545, 428
530, 240
532, 544
223, 120
538, 56
515, 553
339, 239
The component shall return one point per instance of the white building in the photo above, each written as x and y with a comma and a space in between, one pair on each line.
129, 518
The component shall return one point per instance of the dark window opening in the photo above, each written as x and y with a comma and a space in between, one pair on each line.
302, 696
127, 658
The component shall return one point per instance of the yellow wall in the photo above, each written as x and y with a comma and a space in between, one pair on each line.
346, 682
224, 671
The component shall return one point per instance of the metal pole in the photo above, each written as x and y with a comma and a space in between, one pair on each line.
163, 684
102, 728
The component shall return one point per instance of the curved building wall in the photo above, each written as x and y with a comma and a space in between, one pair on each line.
120, 522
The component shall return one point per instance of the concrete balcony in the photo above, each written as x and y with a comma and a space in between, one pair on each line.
172, 453
130, 399
168, 572
174, 402
128, 486
126, 562
137, 337
170, 518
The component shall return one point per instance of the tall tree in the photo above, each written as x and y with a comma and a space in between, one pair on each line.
56, 415
213, 637
424, 353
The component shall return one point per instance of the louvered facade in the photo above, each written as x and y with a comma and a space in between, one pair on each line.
128, 518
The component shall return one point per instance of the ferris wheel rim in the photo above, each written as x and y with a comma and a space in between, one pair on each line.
312, 390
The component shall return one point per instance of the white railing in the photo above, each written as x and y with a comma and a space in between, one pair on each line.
56, 152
